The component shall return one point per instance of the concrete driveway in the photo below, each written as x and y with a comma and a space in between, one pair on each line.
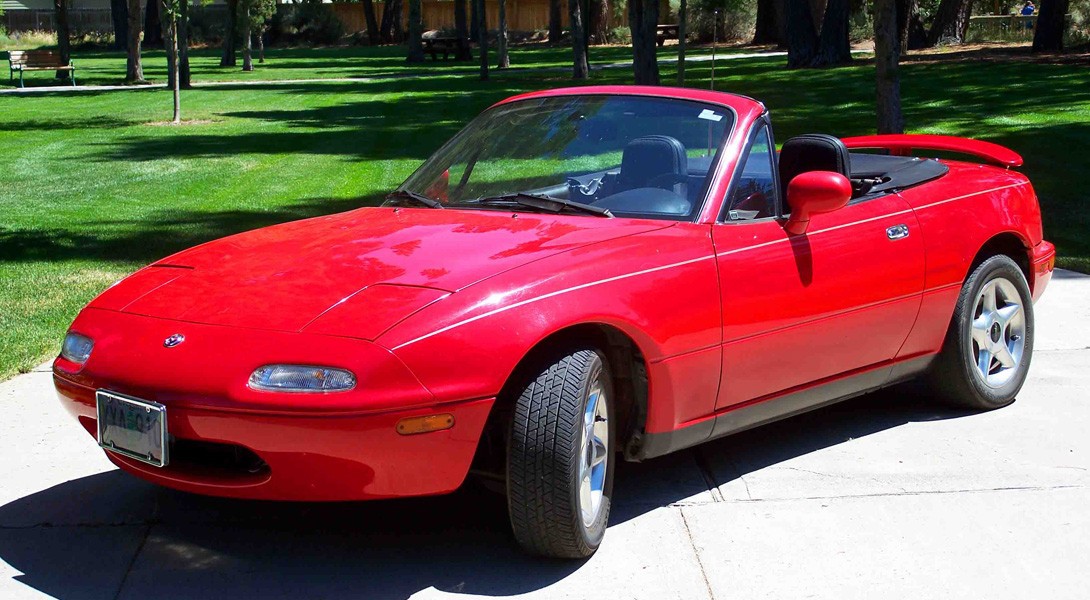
885, 496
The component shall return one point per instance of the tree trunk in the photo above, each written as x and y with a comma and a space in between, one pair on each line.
482, 37
184, 80
768, 27
396, 33
817, 13
643, 16
461, 29
907, 10
1049, 36
474, 31
170, 31
585, 10
555, 31
802, 39
174, 53
134, 71
951, 22
153, 26
261, 45
416, 30
387, 25
119, 14
501, 41
600, 21
834, 44
580, 69
168, 45
60, 9
886, 56
682, 15
229, 29
372, 23
247, 38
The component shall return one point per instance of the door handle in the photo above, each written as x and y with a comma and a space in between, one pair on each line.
897, 232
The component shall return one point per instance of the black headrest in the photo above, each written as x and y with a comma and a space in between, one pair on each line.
648, 157
813, 152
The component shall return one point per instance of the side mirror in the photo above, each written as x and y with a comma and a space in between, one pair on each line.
815, 192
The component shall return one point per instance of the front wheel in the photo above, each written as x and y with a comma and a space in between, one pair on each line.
987, 352
560, 457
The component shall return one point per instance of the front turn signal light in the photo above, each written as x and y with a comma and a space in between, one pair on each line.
414, 425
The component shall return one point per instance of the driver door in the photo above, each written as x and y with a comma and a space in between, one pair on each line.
803, 309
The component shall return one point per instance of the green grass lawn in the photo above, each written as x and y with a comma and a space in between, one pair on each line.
92, 187
108, 68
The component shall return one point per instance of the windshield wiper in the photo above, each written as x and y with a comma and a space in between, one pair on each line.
415, 197
544, 202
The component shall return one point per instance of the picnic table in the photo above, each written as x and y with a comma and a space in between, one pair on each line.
666, 32
435, 42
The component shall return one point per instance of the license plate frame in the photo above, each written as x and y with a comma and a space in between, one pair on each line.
132, 427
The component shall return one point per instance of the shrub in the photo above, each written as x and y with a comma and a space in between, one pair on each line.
736, 18
27, 40
206, 23
619, 35
307, 23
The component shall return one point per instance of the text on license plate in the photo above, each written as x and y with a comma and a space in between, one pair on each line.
132, 427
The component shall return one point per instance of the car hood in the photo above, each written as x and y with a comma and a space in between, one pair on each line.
377, 265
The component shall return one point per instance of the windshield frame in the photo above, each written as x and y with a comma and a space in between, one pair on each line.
709, 179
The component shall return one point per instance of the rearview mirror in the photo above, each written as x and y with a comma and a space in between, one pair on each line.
815, 192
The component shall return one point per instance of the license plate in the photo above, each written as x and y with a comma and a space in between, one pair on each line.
132, 427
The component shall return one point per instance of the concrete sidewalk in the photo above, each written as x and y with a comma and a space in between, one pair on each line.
886, 496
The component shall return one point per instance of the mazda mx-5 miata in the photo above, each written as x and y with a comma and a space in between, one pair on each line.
579, 276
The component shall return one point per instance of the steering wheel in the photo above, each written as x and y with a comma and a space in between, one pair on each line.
667, 180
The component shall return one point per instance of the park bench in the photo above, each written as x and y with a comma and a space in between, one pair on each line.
37, 60
665, 32
435, 42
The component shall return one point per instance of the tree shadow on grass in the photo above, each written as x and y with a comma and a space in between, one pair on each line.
158, 233
60, 122
390, 120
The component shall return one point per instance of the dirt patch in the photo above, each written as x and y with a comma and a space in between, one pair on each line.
994, 53
184, 122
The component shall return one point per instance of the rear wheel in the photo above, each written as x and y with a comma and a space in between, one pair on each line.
986, 356
560, 457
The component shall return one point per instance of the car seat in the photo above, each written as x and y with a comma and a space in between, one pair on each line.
812, 152
657, 161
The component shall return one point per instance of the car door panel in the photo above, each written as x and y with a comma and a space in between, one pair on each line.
800, 309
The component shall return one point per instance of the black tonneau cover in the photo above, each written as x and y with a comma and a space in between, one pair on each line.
891, 173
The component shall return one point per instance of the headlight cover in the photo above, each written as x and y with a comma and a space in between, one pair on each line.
301, 378
76, 347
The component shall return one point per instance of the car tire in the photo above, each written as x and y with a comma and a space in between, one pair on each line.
986, 355
561, 456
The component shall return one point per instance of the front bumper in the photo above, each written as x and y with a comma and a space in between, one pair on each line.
307, 457
229, 440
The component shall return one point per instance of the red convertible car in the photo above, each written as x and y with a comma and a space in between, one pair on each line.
577, 277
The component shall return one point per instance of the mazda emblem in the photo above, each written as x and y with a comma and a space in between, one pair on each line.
174, 340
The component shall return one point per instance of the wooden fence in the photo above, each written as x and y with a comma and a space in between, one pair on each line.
993, 27
999, 28
82, 20
522, 15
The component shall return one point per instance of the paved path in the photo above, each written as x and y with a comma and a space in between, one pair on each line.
885, 496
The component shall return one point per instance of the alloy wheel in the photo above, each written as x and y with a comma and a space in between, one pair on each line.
998, 332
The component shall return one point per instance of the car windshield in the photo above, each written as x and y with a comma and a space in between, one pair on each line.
593, 155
